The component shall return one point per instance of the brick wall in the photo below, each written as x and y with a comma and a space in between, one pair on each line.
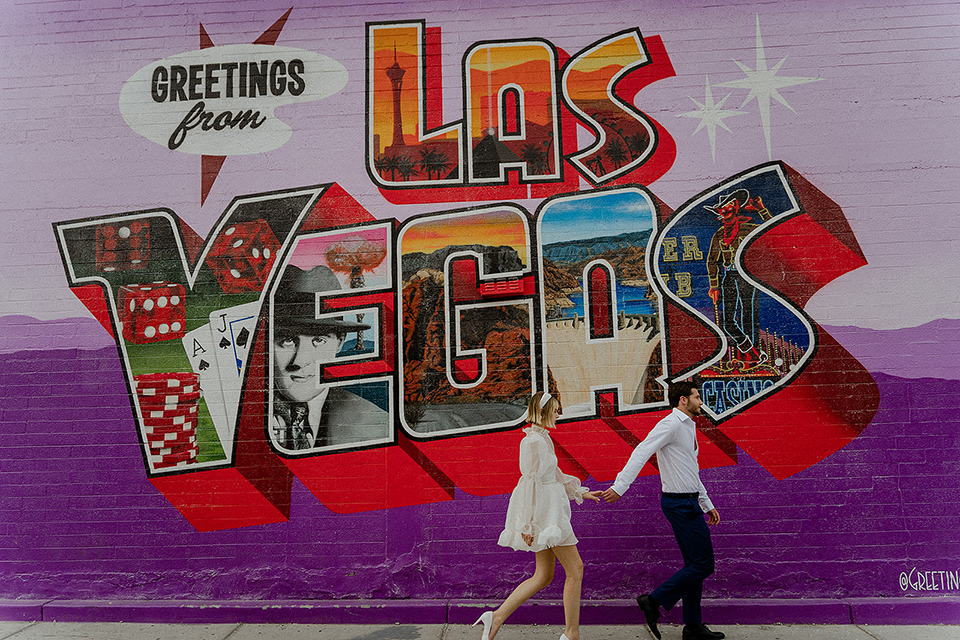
542, 215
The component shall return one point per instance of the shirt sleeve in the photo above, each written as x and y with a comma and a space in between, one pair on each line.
659, 436
571, 485
529, 457
704, 500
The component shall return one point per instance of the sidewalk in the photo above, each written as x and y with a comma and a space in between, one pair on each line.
144, 631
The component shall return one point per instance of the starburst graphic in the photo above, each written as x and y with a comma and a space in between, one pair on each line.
764, 84
711, 115
210, 165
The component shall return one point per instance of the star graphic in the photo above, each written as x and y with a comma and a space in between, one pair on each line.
210, 165
764, 84
711, 115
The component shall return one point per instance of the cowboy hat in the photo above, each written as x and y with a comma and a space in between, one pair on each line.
742, 196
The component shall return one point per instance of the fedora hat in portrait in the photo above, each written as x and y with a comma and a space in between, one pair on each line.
294, 301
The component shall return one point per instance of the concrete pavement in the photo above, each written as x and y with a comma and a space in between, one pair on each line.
145, 631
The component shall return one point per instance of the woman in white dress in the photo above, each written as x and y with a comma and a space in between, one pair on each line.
538, 520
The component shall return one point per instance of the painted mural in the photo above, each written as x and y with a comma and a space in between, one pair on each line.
397, 228
283, 330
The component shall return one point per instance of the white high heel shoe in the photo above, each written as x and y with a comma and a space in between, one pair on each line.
487, 620
563, 636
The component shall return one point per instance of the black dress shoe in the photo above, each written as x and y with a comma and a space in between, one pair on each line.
700, 632
651, 613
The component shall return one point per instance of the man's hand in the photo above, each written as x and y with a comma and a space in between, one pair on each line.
713, 517
610, 496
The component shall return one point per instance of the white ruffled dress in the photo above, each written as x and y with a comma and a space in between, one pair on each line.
540, 503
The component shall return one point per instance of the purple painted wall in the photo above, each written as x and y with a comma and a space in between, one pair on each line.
82, 522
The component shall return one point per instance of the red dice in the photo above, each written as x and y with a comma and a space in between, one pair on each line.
152, 312
123, 245
242, 256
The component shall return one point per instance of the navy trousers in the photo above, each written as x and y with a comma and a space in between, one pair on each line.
693, 536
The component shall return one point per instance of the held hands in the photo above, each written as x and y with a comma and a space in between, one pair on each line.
610, 496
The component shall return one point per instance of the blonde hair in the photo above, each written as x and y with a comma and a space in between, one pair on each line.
538, 415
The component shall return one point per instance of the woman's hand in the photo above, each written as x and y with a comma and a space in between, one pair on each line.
593, 495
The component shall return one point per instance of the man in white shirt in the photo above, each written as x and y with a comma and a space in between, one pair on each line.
684, 501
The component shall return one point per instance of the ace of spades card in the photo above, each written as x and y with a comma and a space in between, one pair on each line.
231, 332
200, 350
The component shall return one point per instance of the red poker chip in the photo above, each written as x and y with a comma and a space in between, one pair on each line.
170, 448
163, 439
169, 403
173, 465
167, 439
167, 398
183, 417
170, 380
186, 411
182, 456
173, 416
165, 392
175, 449
174, 458
170, 433
189, 444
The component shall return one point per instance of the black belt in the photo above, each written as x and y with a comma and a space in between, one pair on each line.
680, 495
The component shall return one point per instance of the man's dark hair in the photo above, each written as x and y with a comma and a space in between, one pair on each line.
681, 389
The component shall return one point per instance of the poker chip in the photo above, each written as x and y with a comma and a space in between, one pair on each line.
172, 458
170, 402
160, 448
161, 454
159, 425
170, 431
166, 391
165, 434
167, 439
168, 454
157, 446
172, 380
164, 416
173, 465
173, 448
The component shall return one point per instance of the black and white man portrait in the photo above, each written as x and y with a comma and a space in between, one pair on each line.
306, 413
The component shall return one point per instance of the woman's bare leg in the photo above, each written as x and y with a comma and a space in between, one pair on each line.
572, 565
541, 578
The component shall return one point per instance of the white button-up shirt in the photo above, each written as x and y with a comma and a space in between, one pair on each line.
674, 440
